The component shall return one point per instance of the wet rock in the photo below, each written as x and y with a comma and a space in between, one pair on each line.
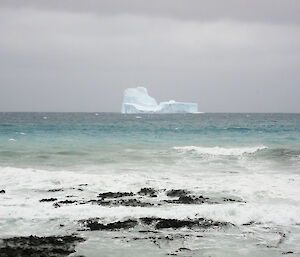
121, 202
160, 223
183, 249
67, 202
177, 192
2, 191
133, 203
99, 202
249, 223
48, 200
115, 194
33, 246
148, 231
189, 199
94, 224
148, 191
56, 190
56, 205
174, 223
232, 200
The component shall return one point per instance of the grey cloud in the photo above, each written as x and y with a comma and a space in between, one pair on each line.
269, 11
65, 58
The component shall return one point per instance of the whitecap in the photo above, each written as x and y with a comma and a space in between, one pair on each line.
233, 151
21, 133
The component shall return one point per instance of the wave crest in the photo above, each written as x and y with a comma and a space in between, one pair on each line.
233, 151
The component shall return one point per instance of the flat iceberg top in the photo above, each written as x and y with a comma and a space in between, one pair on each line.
137, 100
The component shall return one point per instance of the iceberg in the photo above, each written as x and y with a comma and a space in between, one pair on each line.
137, 100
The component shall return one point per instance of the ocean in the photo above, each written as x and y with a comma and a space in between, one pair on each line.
153, 185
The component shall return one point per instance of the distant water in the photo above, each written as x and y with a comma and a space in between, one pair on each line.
252, 159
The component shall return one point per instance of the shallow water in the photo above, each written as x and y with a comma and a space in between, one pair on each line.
252, 159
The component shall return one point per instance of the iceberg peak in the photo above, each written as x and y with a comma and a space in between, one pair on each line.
137, 100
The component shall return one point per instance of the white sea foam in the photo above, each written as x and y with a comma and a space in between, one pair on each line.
234, 151
271, 199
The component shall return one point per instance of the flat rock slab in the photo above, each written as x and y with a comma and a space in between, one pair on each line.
156, 223
33, 246
94, 224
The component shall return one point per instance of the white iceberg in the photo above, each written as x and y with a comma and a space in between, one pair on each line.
137, 100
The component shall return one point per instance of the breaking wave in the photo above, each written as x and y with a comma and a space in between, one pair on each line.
234, 151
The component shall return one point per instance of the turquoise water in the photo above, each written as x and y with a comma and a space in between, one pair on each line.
253, 159
68, 139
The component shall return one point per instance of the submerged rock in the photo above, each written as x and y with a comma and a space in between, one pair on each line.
33, 246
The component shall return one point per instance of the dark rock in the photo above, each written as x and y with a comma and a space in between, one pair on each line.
121, 202
48, 200
189, 199
289, 252
99, 202
149, 220
148, 191
2, 191
183, 249
160, 223
67, 202
115, 194
93, 224
56, 190
33, 246
83, 185
174, 223
133, 203
148, 231
249, 223
177, 192
232, 200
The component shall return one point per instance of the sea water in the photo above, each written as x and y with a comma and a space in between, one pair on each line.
252, 159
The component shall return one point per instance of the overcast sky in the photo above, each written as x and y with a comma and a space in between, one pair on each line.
80, 55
